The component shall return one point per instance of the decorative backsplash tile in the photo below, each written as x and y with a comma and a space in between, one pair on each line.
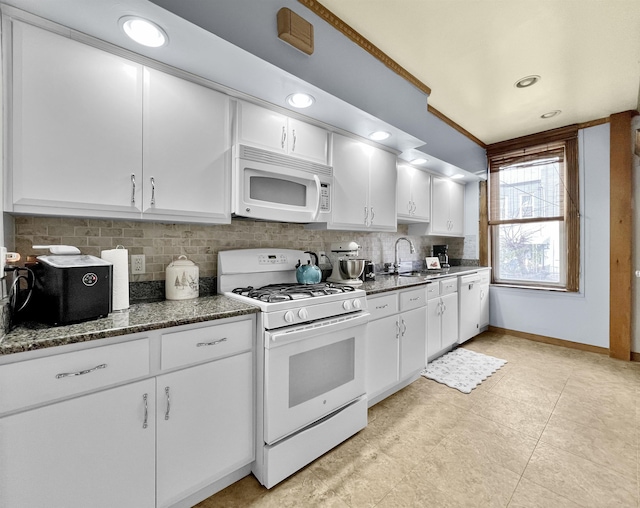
161, 243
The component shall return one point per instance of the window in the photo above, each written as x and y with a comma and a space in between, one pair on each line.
533, 214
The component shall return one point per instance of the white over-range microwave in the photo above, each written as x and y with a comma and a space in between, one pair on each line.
277, 187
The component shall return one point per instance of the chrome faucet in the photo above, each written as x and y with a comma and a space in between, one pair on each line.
396, 263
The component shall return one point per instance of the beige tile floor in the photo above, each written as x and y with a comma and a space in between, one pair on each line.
555, 427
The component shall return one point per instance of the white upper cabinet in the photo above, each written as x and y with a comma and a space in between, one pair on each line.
76, 128
267, 129
447, 212
364, 187
414, 195
187, 158
97, 135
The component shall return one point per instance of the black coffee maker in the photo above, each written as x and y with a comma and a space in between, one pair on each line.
440, 251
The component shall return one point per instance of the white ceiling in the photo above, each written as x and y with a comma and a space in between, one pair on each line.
471, 53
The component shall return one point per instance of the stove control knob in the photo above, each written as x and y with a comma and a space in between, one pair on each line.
303, 314
357, 304
289, 317
346, 305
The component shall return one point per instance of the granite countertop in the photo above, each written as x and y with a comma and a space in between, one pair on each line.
390, 282
139, 317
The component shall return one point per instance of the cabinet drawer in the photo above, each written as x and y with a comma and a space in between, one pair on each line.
433, 290
54, 377
448, 286
413, 299
205, 343
382, 306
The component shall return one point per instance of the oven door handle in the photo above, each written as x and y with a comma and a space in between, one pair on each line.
280, 338
318, 197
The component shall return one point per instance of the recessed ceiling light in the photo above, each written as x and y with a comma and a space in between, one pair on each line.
551, 114
300, 100
457, 176
527, 81
144, 31
379, 135
419, 160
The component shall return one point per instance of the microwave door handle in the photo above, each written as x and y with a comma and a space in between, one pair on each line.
317, 212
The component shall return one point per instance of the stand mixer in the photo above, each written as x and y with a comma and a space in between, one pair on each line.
349, 267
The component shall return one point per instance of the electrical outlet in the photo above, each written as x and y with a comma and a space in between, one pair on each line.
137, 263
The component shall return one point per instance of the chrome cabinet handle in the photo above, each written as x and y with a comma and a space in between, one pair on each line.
81, 372
133, 189
284, 136
153, 191
373, 214
414, 299
146, 411
366, 215
212, 343
404, 327
382, 306
166, 413
397, 329
293, 147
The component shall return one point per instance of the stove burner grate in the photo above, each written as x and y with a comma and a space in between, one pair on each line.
284, 292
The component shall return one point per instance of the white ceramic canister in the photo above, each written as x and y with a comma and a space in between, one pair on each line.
181, 279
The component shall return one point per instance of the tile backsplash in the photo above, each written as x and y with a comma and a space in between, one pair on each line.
161, 243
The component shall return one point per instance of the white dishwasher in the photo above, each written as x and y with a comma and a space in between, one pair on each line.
469, 294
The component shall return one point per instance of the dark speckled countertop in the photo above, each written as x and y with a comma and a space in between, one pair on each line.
386, 282
140, 317
143, 317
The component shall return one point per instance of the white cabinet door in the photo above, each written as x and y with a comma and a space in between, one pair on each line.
204, 425
89, 451
484, 305
421, 196
413, 340
186, 150
449, 320
456, 209
414, 195
383, 178
261, 127
76, 128
351, 184
364, 187
264, 128
405, 203
307, 141
381, 355
434, 327
447, 210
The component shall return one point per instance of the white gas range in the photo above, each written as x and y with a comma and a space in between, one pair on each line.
310, 358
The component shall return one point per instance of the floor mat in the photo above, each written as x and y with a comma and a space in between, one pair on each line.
462, 369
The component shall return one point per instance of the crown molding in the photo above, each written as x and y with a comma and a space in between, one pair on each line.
324, 13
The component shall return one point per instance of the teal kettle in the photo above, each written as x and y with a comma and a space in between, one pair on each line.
309, 273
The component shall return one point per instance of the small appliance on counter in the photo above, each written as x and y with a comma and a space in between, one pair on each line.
349, 267
369, 272
324, 263
70, 288
440, 251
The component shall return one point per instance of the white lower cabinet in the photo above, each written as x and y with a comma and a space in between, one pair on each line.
93, 451
396, 341
155, 441
204, 425
442, 316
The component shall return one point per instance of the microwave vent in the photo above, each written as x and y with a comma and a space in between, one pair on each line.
253, 154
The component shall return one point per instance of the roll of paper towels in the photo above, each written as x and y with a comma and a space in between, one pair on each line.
119, 257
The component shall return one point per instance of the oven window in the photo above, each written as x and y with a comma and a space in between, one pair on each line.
275, 190
320, 370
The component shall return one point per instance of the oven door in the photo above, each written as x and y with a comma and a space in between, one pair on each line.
289, 190
311, 371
